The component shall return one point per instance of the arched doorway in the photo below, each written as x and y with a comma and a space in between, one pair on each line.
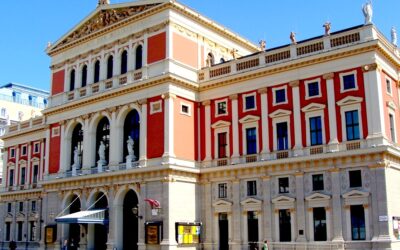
132, 129
130, 221
101, 231
103, 135
74, 229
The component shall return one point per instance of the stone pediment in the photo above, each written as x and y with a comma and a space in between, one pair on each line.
219, 203
354, 194
318, 197
391, 104
280, 113
313, 107
249, 118
103, 18
10, 164
348, 100
220, 124
251, 201
222, 206
35, 159
283, 199
22, 162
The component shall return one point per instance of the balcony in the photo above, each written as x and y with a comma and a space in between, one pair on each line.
33, 123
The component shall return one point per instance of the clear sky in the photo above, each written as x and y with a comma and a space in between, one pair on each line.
26, 26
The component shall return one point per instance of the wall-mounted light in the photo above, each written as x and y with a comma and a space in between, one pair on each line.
135, 211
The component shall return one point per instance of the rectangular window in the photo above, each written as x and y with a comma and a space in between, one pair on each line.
19, 232
33, 206
222, 190
313, 89
8, 231
35, 174
320, 232
392, 128
221, 108
282, 136
283, 185
12, 152
222, 143
357, 222
23, 150
11, 178
285, 225
315, 131
388, 86
280, 95
251, 188
23, 175
185, 109
32, 231
250, 102
36, 146
349, 82
251, 141
9, 207
355, 178
352, 125
318, 182
21, 206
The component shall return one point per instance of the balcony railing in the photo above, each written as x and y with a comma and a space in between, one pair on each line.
271, 57
25, 125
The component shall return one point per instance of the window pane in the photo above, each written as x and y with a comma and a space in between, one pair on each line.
282, 136
349, 82
251, 139
250, 102
280, 95
313, 89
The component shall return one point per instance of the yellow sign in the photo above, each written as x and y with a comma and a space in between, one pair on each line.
188, 234
49, 235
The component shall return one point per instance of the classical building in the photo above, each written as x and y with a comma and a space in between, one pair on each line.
18, 103
165, 130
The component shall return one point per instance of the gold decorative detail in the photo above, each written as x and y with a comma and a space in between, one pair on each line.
366, 206
233, 97
294, 83
370, 67
262, 91
328, 76
206, 103
168, 95
142, 101
310, 209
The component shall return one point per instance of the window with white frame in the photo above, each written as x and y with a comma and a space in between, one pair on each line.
280, 126
222, 190
221, 107
249, 102
280, 95
251, 141
348, 81
24, 150
282, 138
11, 178
313, 88
251, 188
23, 175
12, 152
350, 111
315, 124
250, 134
36, 147
392, 127
222, 144
283, 185
221, 139
185, 109
388, 86
352, 125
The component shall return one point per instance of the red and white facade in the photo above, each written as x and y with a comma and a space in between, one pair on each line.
295, 145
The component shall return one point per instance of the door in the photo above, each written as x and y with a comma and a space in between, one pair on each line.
223, 231
285, 228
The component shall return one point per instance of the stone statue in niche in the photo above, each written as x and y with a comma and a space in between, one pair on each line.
76, 158
102, 151
367, 11
131, 156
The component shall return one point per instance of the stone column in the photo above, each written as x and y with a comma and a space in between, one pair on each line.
47, 153
310, 212
267, 208
103, 67
336, 206
207, 206
87, 144
245, 228
264, 124
168, 127
143, 134
235, 129
5, 169
374, 103
277, 237
42, 160
300, 209
43, 216
368, 226
348, 222
28, 179
333, 142
293, 225
63, 167
114, 153
236, 216
297, 118
17, 166
115, 237
90, 71
207, 125
142, 211
328, 223
169, 241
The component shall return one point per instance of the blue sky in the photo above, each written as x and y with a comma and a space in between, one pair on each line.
26, 26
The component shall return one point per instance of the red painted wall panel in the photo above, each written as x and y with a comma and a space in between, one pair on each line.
54, 155
155, 130
156, 50
184, 130
57, 84
390, 97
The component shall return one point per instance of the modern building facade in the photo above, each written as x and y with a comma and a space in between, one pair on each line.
165, 130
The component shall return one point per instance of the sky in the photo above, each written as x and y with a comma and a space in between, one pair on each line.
27, 26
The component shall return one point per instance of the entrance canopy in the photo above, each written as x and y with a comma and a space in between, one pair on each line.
97, 216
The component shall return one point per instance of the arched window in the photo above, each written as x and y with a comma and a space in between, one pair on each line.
84, 76
77, 142
103, 135
139, 57
72, 80
124, 62
132, 129
96, 71
110, 64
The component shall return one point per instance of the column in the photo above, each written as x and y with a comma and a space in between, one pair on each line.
90, 71
17, 166
236, 216
245, 228
170, 51
143, 134
276, 217
336, 206
42, 160
168, 127
235, 129
46, 165
367, 224
293, 226
63, 167
374, 103
207, 206
114, 139
215, 237
87, 143
142, 211
207, 118
43, 211
103, 67
267, 211
169, 241
264, 124
115, 238
144, 56
300, 210
297, 118
5, 168
29, 165
348, 222
310, 213
333, 143
328, 223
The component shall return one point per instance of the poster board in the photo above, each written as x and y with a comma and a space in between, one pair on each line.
50, 233
188, 233
153, 232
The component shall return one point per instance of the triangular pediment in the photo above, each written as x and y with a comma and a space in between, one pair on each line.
313, 107
318, 197
283, 199
348, 100
11, 164
280, 113
22, 162
249, 118
102, 18
222, 203
251, 201
220, 124
390, 104
355, 194
35, 159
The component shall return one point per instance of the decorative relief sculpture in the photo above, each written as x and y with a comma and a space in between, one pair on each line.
367, 11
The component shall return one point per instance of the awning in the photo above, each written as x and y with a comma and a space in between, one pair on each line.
97, 216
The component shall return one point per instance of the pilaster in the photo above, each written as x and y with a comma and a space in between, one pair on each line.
267, 211
207, 125
300, 209
333, 142
169, 241
143, 134
168, 127
235, 128
236, 216
264, 123
336, 206
114, 139
297, 118
46, 164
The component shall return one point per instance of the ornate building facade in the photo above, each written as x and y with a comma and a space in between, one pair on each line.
165, 130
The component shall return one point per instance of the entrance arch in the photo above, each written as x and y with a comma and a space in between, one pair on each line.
130, 221
100, 232
74, 229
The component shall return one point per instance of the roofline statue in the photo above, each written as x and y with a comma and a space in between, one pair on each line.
367, 11
393, 34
